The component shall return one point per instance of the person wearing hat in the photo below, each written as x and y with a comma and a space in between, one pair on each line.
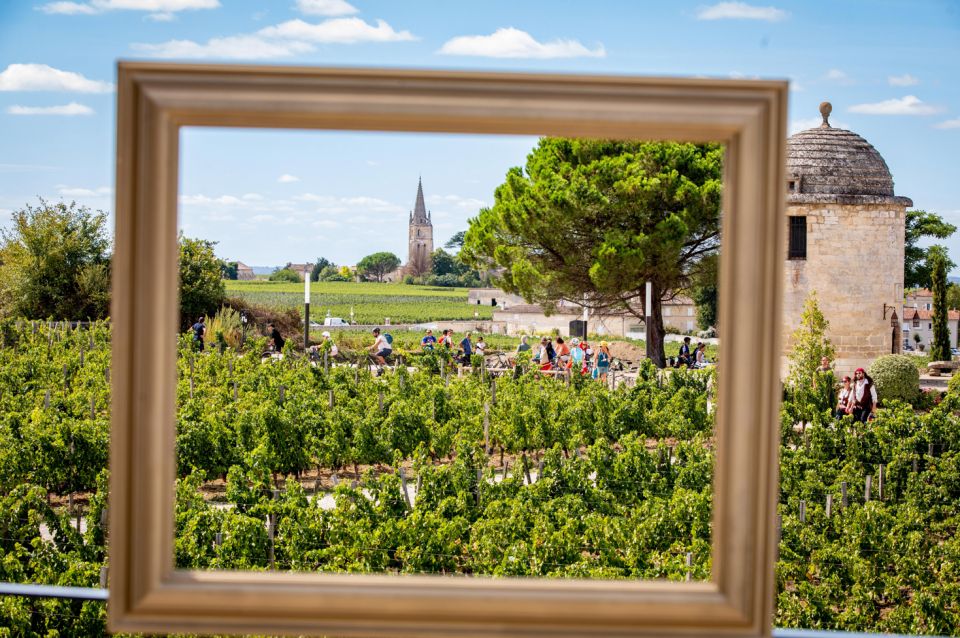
603, 361
326, 345
864, 404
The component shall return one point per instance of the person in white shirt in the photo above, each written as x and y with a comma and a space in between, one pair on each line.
381, 347
845, 398
864, 396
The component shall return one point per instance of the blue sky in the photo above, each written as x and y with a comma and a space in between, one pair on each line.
890, 68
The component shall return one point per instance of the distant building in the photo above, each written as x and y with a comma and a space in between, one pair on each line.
845, 232
679, 314
420, 237
919, 321
244, 272
303, 270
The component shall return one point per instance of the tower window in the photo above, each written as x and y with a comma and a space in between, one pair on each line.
797, 246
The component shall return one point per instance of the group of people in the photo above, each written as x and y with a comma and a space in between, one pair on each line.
697, 358
466, 348
856, 397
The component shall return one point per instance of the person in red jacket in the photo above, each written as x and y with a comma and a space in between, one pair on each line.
864, 404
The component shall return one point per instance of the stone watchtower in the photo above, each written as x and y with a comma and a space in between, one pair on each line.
420, 241
845, 241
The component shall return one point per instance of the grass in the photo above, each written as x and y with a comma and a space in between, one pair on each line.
370, 302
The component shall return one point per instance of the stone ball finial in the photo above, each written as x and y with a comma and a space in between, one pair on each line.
825, 109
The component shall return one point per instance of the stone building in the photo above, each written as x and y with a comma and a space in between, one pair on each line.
845, 233
420, 240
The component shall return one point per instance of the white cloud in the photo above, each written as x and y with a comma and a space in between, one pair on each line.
740, 11
160, 9
103, 191
326, 7
514, 43
164, 16
245, 47
40, 77
253, 197
286, 178
283, 40
954, 123
902, 80
336, 31
468, 203
67, 8
907, 105
66, 109
838, 76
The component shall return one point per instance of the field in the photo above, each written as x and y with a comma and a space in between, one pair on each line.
416, 472
369, 302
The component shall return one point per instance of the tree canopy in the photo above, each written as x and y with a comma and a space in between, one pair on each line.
55, 263
920, 224
377, 265
590, 221
937, 263
201, 287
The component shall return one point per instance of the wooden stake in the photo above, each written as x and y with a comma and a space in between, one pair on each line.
403, 484
93, 408
493, 391
103, 577
486, 428
880, 483
803, 511
689, 562
46, 399
330, 399
234, 390
866, 489
829, 505
380, 399
844, 502
283, 390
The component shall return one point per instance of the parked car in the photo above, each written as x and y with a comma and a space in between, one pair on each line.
334, 321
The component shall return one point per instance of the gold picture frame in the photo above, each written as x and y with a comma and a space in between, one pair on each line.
155, 100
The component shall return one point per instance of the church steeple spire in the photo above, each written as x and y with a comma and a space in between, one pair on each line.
420, 208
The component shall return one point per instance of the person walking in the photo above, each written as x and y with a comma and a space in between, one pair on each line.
843, 398
864, 404
576, 355
466, 349
603, 361
480, 346
276, 339
199, 329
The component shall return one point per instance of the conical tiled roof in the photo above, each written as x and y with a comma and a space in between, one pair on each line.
827, 164
420, 215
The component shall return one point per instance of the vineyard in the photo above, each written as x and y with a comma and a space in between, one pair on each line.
369, 302
283, 465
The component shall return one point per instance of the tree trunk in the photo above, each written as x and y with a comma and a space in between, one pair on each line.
655, 330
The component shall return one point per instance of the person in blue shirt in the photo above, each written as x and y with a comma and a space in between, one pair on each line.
466, 347
198, 329
428, 342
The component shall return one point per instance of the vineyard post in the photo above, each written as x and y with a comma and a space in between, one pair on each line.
81, 356
103, 577
403, 484
419, 481
326, 361
493, 390
880, 483
330, 399
479, 481
217, 540
844, 503
689, 562
539, 469
803, 511
46, 399
866, 489
93, 408
306, 312
526, 469
106, 374
829, 505
779, 528
270, 533
506, 468
380, 399
234, 390
283, 389
914, 466
930, 449
486, 428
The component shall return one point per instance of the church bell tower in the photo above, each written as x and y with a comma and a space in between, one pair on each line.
420, 242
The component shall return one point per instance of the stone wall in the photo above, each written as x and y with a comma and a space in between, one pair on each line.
855, 264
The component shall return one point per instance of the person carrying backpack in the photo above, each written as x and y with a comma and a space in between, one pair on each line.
382, 346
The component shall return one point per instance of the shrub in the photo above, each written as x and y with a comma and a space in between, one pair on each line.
896, 377
285, 274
